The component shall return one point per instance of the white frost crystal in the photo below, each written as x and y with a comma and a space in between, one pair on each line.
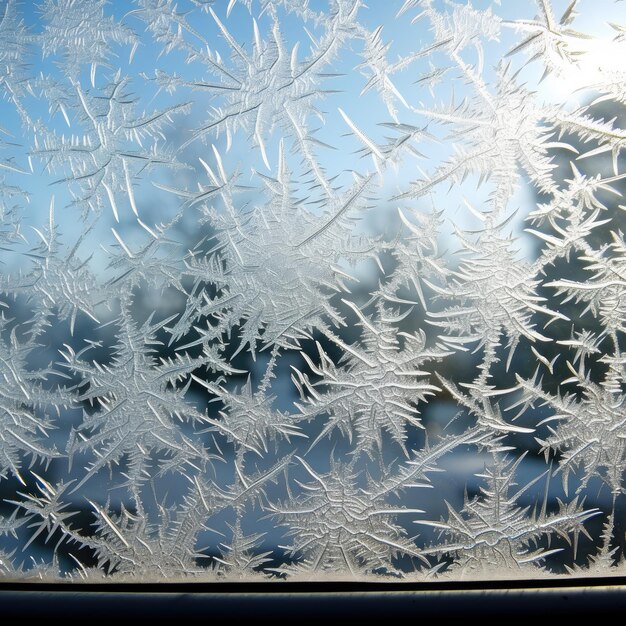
312, 289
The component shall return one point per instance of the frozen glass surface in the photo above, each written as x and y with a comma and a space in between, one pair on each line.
312, 289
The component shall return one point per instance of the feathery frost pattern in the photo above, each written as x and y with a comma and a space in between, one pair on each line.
312, 289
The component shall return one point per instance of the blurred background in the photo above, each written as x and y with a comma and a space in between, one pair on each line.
44, 211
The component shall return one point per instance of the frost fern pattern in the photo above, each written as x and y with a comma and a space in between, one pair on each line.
312, 290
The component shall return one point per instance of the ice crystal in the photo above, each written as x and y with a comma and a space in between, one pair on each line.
296, 289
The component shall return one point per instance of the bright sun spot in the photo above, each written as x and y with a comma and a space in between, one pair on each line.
599, 61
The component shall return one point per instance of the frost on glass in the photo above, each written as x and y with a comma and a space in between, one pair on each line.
312, 290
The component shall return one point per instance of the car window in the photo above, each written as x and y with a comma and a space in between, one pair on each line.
312, 290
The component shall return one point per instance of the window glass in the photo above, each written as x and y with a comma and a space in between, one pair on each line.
312, 289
